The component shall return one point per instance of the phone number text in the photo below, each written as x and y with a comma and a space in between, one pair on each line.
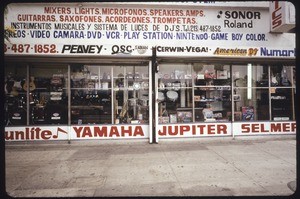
28, 48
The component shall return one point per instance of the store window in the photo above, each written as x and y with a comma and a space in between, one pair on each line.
250, 92
212, 92
175, 93
109, 94
130, 95
15, 87
40, 93
90, 94
282, 91
48, 96
281, 76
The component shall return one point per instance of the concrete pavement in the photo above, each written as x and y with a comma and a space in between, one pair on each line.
246, 166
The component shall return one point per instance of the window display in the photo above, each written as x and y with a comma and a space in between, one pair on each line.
250, 100
15, 95
251, 105
109, 95
212, 92
51, 93
131, 94
48, 94
249, 97
175, 94
281, 76
281, 104
90, 94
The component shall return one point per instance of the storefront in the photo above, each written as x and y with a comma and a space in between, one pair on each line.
147, 70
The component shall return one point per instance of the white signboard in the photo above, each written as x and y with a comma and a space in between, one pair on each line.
75, 132
99, 132
264, 128
98, 29
36, 133
194, 130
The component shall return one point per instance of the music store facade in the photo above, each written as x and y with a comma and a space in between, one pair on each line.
148, 70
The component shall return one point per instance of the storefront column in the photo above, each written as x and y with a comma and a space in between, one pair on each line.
153, 91
232, 101
150, 105
27, 95
69, 103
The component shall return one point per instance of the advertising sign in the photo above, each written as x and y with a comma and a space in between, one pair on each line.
142, 131
194, 130
283, 16
36, 133
102, 29
75, 132
264, 128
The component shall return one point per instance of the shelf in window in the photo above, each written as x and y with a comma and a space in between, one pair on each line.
172, 88
40, 88
184, 108
213, 88
92, 89
86, 107
174, 80
129, 89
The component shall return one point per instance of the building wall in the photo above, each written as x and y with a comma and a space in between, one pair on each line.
215, 59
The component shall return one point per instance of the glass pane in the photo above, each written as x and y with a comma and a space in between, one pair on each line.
15, 94
91, 94
282, 104
251, 104
131, 94
212, 104
48, 94
250, 75
175, 93
260, 75
214, 74
281, 76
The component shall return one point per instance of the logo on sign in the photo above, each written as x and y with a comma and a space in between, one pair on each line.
33, 133
238, 19
141, 49
276, 16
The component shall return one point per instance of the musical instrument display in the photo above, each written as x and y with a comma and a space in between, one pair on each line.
97, 94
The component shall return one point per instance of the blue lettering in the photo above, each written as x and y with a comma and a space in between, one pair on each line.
255, 37
112, 35
219, 36
68, 34
94, 34
237, 36
157, 35
39, 33
276, 53
131, 35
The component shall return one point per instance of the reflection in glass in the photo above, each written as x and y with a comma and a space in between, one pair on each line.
281, 76
90, 94
48, 94
175, 93
131, 95
15, 87
281, 104
254, 108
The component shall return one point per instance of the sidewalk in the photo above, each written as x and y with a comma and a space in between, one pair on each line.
246, 166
